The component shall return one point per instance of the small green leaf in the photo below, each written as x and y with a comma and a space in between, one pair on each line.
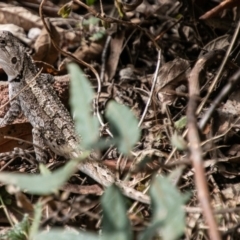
81, 96
36, 220
98, 36
123, 125
116, 224
168, 214
90, 2
40, 184
19, 231
178, 142
65, 10
181, 123
59, 234
175, 175
91, 21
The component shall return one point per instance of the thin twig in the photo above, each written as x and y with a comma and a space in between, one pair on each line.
233, 81
213, 83
152, 89
195, 144
103, 58
24, 141
220, 70
6, 212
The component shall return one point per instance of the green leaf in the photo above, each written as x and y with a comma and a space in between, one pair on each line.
181, 123
65, 10
40, 184
98, 36
81, 96
168, 214
116, 224
175, 175
59, 234
178, 142
91, 21
44, 170
36, 220
19, 231
123, 125
90, 2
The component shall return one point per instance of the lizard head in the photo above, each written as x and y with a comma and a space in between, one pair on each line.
12, 54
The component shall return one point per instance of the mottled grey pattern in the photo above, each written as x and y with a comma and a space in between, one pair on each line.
52, 124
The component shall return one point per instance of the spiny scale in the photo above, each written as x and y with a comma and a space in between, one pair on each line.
51, 122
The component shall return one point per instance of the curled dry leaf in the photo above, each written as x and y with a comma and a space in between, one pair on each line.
221, 42
116, 49
170, 76
45, 51
86, 52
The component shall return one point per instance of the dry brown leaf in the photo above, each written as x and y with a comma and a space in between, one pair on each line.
19, 16
218, 43
86, 52
170, 76
45, 51
24, 203
116, 49
20, 130
89, 52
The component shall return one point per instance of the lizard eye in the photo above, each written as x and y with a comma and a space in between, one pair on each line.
14, 60
2, 41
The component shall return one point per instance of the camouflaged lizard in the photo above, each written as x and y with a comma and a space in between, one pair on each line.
52, 124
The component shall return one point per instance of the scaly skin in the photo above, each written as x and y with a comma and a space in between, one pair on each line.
51, 122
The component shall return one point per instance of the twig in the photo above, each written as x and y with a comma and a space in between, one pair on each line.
24, 141
220, 70
103, 58
152, 89
96, 101
195, 145
225, 91
200, 65
213, 83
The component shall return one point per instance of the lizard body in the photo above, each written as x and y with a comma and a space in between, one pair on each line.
52, 124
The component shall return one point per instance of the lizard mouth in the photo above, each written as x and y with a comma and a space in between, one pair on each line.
3, 74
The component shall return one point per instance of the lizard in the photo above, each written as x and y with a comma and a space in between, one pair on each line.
53, 126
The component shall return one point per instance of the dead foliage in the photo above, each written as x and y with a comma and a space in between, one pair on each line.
197, 81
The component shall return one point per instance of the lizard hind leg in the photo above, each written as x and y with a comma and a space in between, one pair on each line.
39, 146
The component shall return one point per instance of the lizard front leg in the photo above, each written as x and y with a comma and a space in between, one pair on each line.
12, 113
15, 106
